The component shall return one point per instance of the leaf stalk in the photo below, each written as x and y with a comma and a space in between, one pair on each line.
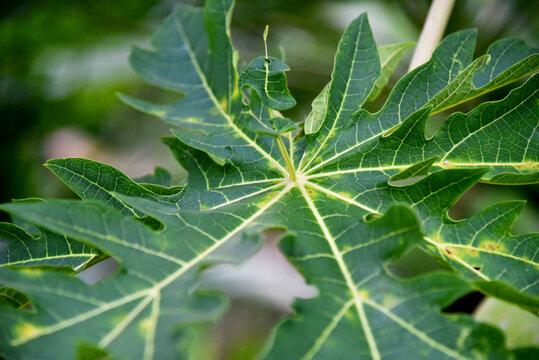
287, 159
432, 31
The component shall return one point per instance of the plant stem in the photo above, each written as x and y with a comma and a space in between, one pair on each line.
266, 62
287, 159
432, 31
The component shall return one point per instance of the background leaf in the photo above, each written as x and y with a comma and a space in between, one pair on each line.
390, 56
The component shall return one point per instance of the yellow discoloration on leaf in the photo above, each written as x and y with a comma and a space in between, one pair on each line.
528, 164
159, 113
464, 334
346, 195
146, 325
447, 164
117, 319
236, 92
214, 111
223, 103
464, 252
32, 271
194, 120
27, 331
491, 246
363, 294
389, 301
351, 315
268, 197
312, 193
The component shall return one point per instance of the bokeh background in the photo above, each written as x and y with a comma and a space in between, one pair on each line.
63, 61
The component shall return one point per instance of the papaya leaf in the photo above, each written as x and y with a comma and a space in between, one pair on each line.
13, 298
315, 119
266, 76
92, 180
390, 56
161, 176
22, 249
506, 60
354, 191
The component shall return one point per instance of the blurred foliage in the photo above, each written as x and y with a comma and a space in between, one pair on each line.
521, 327
50, 77
62, 62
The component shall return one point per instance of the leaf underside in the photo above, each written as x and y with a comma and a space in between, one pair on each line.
349, 166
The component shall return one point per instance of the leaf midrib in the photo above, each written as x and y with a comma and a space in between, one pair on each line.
341, 105
436, 244
494, 121
445, 165
358, 299
150, 291
336, 156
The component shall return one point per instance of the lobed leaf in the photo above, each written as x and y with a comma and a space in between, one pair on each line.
146, 301
390, 56
160, 177
354, 191
266, 76
92, 180
506, 60
19, 248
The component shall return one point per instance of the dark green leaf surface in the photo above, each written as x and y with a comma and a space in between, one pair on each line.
321, 188
13, 298
92, 180
505, 61
500, 136
18, 248
357, 67
266, 76
390, 56
160, 177
146, 302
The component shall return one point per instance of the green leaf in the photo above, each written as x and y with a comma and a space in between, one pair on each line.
315, 119
357, 67
266, 76
13, 298
390, 56
178, 64
22, 249
160, 176
283, 125
514, 161
353, 192
220, 68
506, 60
493, 250
147, 300
92, 180
414, 172
406, 152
